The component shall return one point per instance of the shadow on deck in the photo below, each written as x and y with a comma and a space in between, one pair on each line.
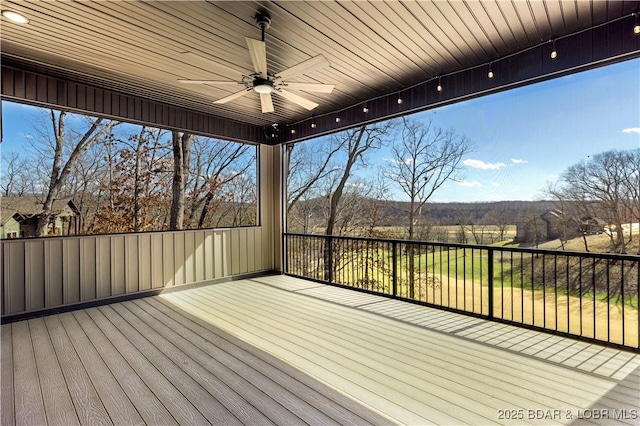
283, 350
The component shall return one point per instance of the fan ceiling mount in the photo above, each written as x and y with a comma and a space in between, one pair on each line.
265, 83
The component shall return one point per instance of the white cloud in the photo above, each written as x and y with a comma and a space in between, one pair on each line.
482, 165
474, 184
631, 130
495, 184
355, 185
518, 161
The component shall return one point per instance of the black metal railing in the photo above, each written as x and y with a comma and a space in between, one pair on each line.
590, 295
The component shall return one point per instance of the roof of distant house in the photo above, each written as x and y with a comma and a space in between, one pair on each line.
28, 205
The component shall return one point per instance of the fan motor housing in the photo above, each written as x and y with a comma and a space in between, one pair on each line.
263, 20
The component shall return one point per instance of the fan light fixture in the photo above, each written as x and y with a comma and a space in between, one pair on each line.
15, 17
439, 88
365, 109
636, 28
263, 88
490, 73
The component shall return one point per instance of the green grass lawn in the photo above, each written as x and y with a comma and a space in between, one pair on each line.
469, 265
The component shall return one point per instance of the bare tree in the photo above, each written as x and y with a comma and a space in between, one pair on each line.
240, 207
77, 142
14, 176
425, 158
501, 218
306, 169
607, 181
535, 226
354, 144
214, 165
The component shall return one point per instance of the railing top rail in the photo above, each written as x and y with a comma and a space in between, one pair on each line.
115, 234
613, 256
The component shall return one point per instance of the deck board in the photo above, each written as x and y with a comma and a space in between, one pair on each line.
198, 368
87, 402
7, 414
148, 406
280, 350
311, 391
29, 406
55, 395
158, 372
113, 397
262, 393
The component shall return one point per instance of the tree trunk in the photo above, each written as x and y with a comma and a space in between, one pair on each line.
181, 158
137, 216
59, 172
353, 155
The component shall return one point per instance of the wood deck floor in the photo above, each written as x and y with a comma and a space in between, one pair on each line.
280, 350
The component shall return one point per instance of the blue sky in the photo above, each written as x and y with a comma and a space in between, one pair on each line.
527, 137
523, 138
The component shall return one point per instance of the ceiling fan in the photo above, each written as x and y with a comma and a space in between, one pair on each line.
265, 83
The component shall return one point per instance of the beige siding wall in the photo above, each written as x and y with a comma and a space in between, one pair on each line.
50, 272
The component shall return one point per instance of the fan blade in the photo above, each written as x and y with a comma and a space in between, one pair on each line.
303, 102
232, 97
266, 102
216, 82
258, 52
305, 67
311, 87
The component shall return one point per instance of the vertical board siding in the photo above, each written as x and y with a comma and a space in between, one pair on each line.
88, 269
156, 259
53, 277
71, 270
118, 277
132, 264
34, 274
13, 277
45, 273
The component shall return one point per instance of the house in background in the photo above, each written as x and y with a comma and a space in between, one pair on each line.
20, 216
9, 226
554, 224
592, 225
560, 225
531, 229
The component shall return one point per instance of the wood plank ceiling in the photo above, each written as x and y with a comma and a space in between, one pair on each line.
374, 48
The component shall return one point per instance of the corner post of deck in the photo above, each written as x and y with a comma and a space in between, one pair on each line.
394, 269
329, 241
490, 280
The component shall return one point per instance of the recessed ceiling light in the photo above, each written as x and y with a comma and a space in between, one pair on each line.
15, 17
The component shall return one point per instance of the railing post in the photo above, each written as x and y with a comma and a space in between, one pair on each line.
330, 251
394, 269
285, 253
490, 281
